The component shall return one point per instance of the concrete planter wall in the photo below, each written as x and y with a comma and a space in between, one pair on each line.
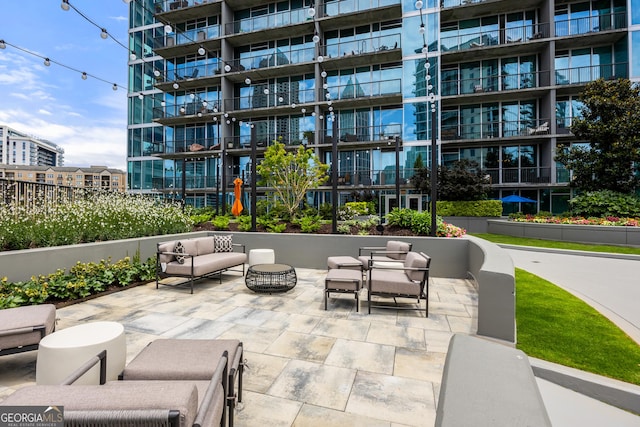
473, 224
598, 234
456, 258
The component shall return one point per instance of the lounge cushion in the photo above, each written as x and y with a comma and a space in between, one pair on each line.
183, 359
206, 264
166, 247
393, 282
395, 247
26, 317
205, 245
114, 396
415, 260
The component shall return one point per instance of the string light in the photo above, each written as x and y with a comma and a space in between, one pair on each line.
104, 34
65, 5
3, 45
47, 62
84, 76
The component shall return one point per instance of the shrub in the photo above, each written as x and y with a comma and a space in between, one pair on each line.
309, 224
344, 228
470, 208
221, 222
360, 208
400, 217
605, 203
244, 223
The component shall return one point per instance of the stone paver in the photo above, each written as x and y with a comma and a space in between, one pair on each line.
305, 366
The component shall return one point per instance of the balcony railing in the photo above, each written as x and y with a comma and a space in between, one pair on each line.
495, 83
284, 55
464, 41
170, 5
356, 89
591, 24
339, 48
455, 3
190, 72
263, 22
193, 108
341, 7
183, 146
182, 37
386, 133
271, 99
497, 129
522, 175
580, 75
265, 139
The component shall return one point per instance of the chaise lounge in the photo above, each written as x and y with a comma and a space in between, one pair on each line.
22, 328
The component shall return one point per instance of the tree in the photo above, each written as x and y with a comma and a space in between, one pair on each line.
291, 174
610, 122
463, 181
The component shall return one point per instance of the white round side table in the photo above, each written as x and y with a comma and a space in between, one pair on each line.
261, 256
63, 351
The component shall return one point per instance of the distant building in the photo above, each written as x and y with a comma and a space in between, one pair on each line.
18, 148
91, 177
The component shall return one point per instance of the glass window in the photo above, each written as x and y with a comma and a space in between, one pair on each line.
635, 51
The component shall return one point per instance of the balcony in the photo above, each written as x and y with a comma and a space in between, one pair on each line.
503, 82
275, 57
584, 75
272, 99
497, 129
192, 146
522, 175
267, 21
185, 37
385, 134
382, 49
517, 38
171, 113
190, 77
591, 24
354, 89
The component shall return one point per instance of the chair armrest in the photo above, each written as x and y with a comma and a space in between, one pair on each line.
370, 248
177, 254
219, 377
100, 357
239, 245
25, 330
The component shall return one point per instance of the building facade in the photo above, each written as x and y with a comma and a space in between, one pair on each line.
18, 148
94, 177
212, 79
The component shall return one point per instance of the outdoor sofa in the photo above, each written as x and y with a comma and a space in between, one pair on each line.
22, 328
198, 258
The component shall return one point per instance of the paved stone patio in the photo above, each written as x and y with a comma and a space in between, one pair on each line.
305, 366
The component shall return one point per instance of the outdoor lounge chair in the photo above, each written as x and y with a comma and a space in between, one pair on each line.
190, 359
22, 328
131, 403
411, 280
394, 251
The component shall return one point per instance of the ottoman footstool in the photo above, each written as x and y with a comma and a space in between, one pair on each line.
344, 262
189, 359
342, 280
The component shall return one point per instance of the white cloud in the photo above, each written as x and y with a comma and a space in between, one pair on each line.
45, 112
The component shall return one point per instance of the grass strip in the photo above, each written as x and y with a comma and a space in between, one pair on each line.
558, 327
553, 244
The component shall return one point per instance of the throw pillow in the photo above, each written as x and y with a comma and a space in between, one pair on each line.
179, 248
224, 243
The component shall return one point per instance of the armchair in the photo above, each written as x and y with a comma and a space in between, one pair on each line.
410, 280
395, 251
22, 328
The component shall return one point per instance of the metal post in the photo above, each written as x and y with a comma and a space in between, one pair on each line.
184, 183
218, 187
399, 205
224, 181
254, 193
334, 178
434, 171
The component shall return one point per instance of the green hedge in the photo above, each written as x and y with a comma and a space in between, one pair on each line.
471, 208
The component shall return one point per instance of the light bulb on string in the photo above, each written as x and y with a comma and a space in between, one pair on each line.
293, 105
132, 56
114, 87
176, 85
313, 113
162, 103
247, 81
199, 114
421, 29
65, 5
215, 119
103, 33
201, 51
226, 115
182, 110
419, 4
84, 76
323, 74
325, 86
47, 62
228, 122
192, 95
266, 91
425, 49
140, 96
3, 45
280, 99
156, 73
311, 11
320, 58
205, 103
316, 38
328, 95
168, 29
227, 68
304, 110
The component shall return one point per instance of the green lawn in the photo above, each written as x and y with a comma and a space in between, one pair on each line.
554, 325
525, 241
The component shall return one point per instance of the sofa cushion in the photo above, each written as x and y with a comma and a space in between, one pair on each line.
224, 243
395, 246
206, 264
392, 282
205, 245
166, 247
179, 249
415, 260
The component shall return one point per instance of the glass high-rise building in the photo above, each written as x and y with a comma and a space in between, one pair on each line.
212, 78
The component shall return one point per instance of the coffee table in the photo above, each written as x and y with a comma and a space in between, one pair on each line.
63, 351
271, 278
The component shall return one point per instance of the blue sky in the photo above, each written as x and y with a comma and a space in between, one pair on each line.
85, 117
